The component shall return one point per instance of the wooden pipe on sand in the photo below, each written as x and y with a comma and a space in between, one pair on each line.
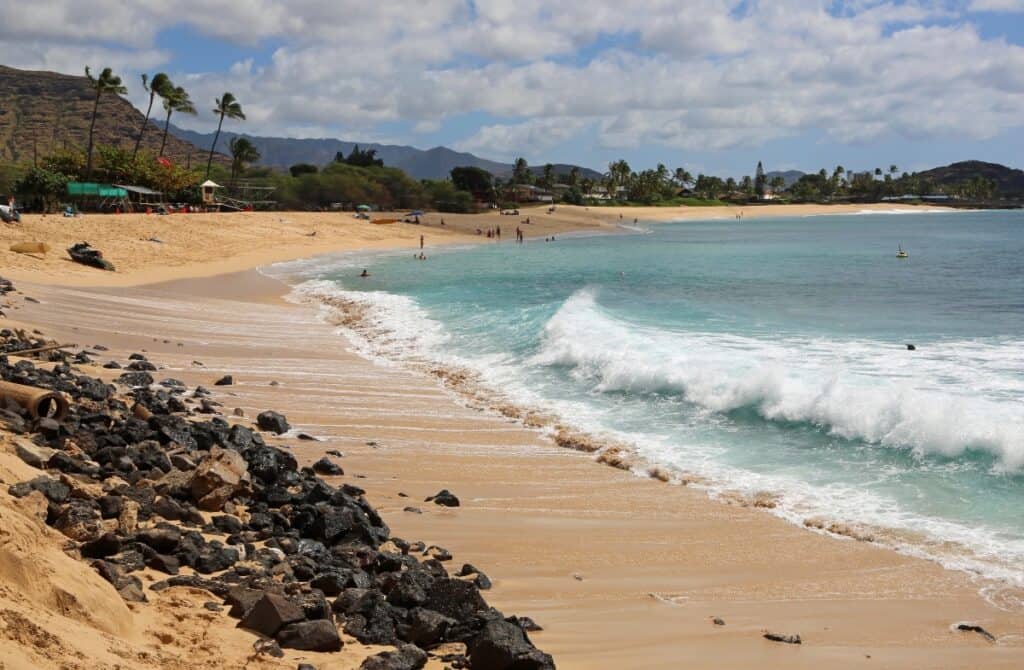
40, 403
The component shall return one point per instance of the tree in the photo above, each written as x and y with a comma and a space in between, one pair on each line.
549, 176
759, 181
893, 170
160, 86
837, 177
360, 158
175, 100
475, 180
521, 172
228, 107
574, 176
107, 82
446, 198
242, 152
303, 168
41, 187
777, 183
682, 177
619, 174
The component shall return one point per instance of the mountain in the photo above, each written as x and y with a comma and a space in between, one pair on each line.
43, 111
436, 163
789, 176
1009, 181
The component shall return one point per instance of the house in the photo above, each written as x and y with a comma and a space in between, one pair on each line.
531, 193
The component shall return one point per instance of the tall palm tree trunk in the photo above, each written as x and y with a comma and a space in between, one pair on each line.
92, 128
167, 124
216, 137
145, 123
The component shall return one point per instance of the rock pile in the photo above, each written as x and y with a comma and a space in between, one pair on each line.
143, 474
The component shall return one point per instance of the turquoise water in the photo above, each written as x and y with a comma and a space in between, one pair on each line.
765, 355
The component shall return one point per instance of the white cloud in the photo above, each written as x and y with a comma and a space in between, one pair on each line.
700, 75
997, 6
533, 136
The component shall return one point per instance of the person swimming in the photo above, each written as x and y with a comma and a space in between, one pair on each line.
364, 273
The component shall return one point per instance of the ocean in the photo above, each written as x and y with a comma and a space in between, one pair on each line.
761, 358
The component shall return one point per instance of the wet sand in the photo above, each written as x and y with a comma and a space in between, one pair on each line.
622, 571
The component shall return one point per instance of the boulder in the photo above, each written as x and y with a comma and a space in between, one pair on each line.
503, 645
426, 628
454, 598
406, 657
326, 466
241, 599
163, 539
319, 635
444, 498
105, 545
32, 453
371, 620
80, 520
271, 613
226, 380
218, 477
273, 422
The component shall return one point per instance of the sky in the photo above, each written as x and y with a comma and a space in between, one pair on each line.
710, 85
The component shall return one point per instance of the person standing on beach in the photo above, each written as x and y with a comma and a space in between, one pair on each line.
499, 232
421, 241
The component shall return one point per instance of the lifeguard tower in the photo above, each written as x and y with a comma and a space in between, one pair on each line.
209, 196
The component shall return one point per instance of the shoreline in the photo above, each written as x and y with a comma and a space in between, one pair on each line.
631, 562
151, 249
354, 317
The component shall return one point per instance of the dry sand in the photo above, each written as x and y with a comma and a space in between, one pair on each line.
622, 571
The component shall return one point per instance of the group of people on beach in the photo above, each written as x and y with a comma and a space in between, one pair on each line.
492, 233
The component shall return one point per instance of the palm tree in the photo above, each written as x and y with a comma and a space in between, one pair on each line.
229, 107
619, 173
574, 176
242, 152
107, 82
521, 172
549, 176
161, 84
175, 100
893, 170
683, 177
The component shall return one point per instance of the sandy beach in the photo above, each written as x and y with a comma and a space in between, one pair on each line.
622, 571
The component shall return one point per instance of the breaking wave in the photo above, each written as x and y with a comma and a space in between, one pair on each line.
949, 399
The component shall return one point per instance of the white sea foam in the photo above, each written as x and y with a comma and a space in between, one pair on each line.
389, 327
927, 401
915, 210
941, 399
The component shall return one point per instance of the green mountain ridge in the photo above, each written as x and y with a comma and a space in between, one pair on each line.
435, 163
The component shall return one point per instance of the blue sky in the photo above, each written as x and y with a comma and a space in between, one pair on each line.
712, 85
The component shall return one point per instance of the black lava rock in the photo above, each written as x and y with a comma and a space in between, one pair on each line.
445, 498
273, 422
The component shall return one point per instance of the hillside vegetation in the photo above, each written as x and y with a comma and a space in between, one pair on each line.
44, 112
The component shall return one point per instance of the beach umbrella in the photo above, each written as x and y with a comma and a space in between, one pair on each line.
363, 208
418, 212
